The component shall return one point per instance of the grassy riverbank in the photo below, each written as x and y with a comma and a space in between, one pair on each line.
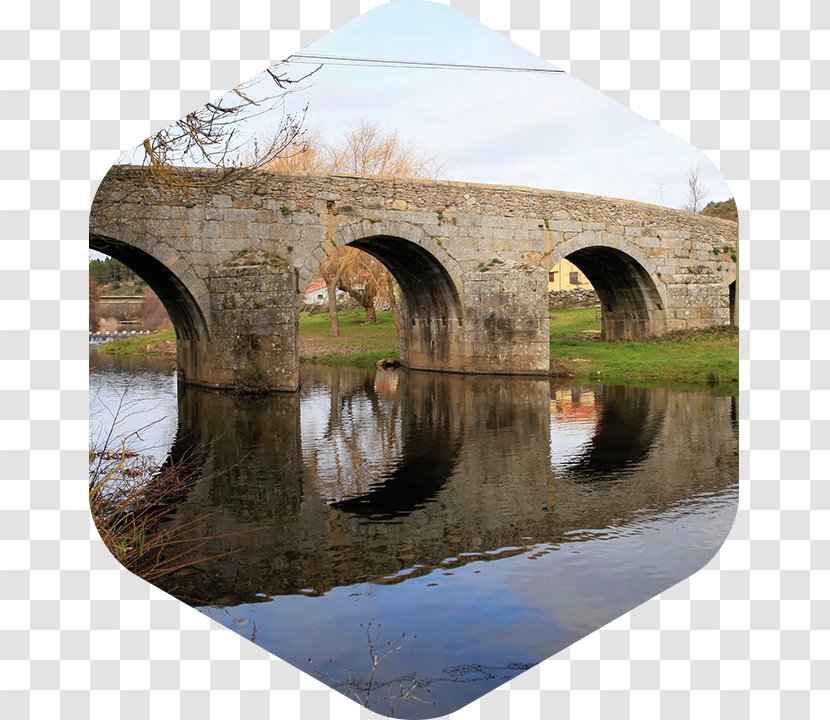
160, 343
693, 359
360, 344
707, 357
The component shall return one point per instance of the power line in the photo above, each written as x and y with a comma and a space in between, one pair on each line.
346, 61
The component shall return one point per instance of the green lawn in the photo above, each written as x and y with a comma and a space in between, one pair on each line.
579, 321
696, 359
360, 343
160, 343
706, 357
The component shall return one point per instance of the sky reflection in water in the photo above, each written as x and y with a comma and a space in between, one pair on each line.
493, 521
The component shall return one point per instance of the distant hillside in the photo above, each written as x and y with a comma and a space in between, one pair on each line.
725, 209
115, 278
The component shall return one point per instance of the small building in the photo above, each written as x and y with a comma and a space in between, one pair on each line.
316, 294
567, 276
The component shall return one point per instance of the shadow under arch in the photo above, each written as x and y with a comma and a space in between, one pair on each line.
185, 314
426, 285
631, 303
431, 310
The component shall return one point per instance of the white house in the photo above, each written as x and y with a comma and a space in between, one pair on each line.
316, 294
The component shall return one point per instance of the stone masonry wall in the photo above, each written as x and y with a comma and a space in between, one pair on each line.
508, 318
255, 319
473, 222
455, 228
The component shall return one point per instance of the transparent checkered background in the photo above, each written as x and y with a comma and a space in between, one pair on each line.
749, 83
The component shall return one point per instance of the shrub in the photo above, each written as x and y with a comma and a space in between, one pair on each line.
132, 500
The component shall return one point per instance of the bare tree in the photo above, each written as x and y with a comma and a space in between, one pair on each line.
363, 278
219, 135
331, 272
367, 150
153, 314
696, 191
304, 156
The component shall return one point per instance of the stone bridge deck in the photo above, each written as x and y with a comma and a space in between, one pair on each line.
471, 261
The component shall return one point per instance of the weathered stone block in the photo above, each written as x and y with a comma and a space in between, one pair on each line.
567, 226
233, 230
259, 231
266, 216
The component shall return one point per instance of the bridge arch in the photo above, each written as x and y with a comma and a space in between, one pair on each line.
631, 294
394, 243
182, 307
429, 280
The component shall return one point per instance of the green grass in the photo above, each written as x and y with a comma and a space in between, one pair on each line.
703, 358
360, 344
578, 321
139, 345
707, 357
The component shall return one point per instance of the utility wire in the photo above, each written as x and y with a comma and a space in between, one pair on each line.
342, 60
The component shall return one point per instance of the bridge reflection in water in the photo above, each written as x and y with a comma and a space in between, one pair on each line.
372, 477
494, 521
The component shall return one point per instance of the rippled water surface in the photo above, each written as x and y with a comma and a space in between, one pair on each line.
462, 529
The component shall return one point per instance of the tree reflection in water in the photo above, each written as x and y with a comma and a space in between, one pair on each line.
496, 519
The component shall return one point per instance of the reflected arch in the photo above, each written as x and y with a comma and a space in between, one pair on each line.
632, 297
181, 306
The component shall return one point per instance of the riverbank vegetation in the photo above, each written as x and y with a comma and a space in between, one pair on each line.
160, 343
120, 300
131, 500
699, 358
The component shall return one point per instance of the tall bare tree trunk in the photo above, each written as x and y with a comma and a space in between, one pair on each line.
334, 319
393, 302
369, 307
94, 306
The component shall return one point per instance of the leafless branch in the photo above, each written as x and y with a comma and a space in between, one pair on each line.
220, 135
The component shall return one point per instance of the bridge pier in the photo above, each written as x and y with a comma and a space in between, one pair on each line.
498, 324
254, 322
506, 319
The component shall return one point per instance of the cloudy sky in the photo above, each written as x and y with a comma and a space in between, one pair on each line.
542, 130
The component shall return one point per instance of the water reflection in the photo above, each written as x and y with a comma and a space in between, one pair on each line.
362, 478
134, 400
498, 519
379, 457
622, 421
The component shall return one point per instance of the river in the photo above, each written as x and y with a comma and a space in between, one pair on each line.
458, 529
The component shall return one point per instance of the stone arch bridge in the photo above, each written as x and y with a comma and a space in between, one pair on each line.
229, 262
